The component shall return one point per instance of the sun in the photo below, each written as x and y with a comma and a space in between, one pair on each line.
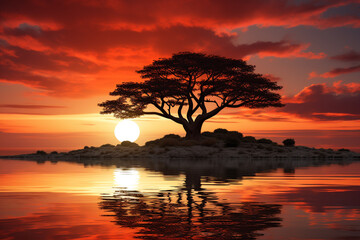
127, 130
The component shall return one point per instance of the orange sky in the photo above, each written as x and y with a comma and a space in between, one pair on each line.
59, 59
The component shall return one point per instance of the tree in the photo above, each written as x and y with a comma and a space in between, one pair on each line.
190, 88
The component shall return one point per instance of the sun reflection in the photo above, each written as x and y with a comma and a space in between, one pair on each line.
128, 179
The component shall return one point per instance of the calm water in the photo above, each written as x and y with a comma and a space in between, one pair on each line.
172, 199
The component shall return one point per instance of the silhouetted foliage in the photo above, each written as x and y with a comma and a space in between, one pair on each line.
209, 142
290, 142
128, 144
264, 140
175, 136
231, 142
343, 150
221, 131
235, 134
107, 145
41, 152
249, 139
192, 84
54, 152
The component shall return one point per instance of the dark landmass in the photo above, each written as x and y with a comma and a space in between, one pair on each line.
220, 144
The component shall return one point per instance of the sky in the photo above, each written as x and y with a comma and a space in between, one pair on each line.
59, 59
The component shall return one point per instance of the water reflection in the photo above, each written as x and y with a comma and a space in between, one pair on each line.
128, 178
180, 199
189, 211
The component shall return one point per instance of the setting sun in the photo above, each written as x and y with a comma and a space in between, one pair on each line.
127, 130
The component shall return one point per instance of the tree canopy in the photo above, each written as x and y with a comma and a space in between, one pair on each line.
190, 88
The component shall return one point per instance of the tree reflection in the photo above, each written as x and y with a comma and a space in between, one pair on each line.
189, 212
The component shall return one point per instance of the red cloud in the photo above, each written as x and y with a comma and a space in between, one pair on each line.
347, 57
110, 53
80, 48
321, 102
335, 72
146, 14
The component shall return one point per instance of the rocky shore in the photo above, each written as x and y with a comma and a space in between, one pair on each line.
221, 144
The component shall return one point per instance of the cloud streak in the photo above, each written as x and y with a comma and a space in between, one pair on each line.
29, 106
326, 103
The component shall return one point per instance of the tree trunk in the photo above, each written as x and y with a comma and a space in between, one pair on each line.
193, 130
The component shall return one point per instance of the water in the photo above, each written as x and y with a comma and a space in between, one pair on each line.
180, 199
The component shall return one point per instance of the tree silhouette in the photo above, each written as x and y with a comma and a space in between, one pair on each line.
190, 88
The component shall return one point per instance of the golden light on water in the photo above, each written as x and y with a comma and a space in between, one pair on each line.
127, 179
127, 130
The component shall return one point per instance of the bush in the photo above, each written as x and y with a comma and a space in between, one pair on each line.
168, 142
41, 152
264, 140
86, 147
54, 152
235, 134
174, 136
220, 131
343, 150
249, 139
128, 144
107, 145
207, 134
290, 142
231, 142
209, 142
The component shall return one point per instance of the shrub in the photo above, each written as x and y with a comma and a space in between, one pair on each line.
128, 144
343, 150
86, 147
174, 136
39, 152
221, 131
209, 142
249, 139
235, 134
168, 142
207, 134
264, 140
231, 142
54, 152
290, 142
107, 145
151, 143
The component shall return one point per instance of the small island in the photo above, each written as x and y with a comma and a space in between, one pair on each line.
219, 144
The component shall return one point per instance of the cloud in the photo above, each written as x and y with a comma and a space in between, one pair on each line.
83, 48
74, 62
351, 56
339, 71
335, 72
322, 102
21, 106
209, 14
